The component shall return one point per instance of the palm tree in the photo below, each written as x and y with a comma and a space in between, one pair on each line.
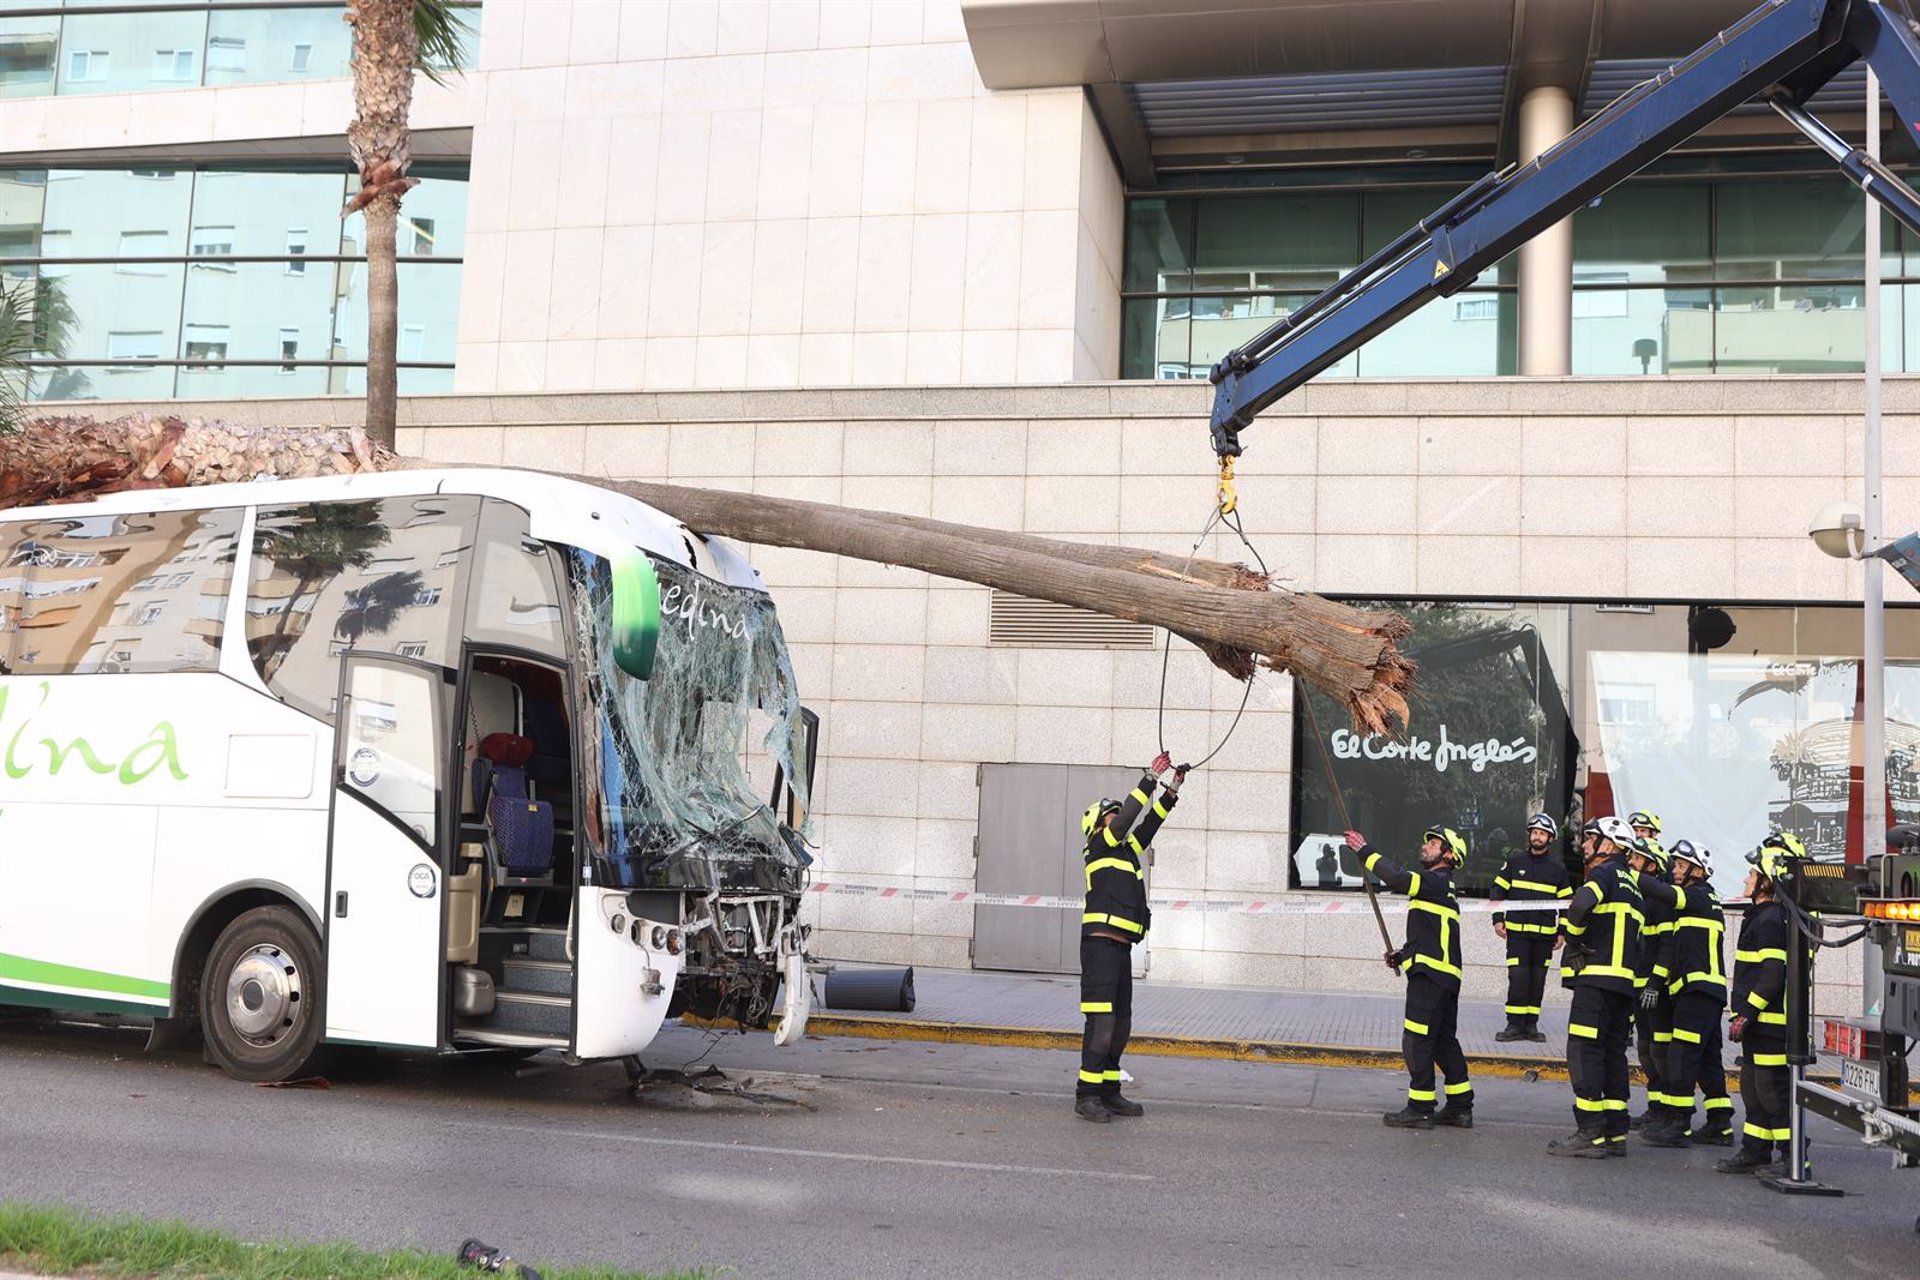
322, 541
391, 40
35, 319
374, 608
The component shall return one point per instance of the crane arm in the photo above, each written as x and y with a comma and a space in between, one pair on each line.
1782, 52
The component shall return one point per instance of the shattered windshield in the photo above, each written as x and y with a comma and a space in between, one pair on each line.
680, 767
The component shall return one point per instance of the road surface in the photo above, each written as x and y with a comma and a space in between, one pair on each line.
911, 1160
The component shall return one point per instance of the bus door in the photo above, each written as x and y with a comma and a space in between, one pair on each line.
385, 865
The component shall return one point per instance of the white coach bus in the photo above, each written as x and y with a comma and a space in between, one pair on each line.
436, 760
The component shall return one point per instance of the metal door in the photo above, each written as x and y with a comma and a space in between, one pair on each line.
384, 929
1030, 843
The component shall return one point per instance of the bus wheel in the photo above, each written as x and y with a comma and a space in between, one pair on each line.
261, 997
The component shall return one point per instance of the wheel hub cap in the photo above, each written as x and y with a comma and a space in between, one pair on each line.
263, 995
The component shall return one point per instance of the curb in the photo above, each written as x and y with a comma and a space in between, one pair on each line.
1509, 1066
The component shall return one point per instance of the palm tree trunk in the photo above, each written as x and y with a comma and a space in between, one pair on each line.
1235, 615
383, 321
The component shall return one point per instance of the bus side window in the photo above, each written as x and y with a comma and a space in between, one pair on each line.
103, 594
515, 598
383, 575
13, 594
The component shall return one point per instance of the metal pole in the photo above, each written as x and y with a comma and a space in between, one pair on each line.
1873, 825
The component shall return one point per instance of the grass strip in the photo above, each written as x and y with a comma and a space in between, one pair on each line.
62, 1241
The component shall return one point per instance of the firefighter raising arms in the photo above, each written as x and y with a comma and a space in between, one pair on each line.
1432, 965
1115, 917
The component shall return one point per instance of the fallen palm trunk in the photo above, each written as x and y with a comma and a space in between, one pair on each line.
1238, 617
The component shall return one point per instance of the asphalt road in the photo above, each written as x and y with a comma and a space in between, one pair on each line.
911, 1160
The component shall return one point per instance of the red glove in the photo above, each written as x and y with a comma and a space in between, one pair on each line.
1393, 960
1737, 1029
1162, 763
1356, 841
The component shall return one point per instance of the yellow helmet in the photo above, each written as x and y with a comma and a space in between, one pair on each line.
1774, 854
1451, 843
1097, 811
1645, 818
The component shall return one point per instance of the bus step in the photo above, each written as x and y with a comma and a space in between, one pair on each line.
547, 944
539, 1012
552, 976
506, 1039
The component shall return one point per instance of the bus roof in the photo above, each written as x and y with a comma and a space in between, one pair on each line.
559, 510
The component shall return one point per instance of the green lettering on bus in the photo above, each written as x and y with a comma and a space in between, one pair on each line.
160, 748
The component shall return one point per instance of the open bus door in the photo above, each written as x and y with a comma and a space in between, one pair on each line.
384, 866
796, 1003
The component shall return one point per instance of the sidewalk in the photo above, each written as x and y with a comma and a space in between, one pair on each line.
1335, 1028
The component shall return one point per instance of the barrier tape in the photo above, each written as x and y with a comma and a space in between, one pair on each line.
1205, 906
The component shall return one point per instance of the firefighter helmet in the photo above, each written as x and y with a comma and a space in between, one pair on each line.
1451, 843
1775, 852
1653, 851
1543, 822
1615, 830
1096, 813
1688, 851
1645, 818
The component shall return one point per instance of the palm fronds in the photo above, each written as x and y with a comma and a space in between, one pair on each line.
443, 28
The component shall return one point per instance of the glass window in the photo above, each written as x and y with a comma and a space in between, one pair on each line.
131, 52
279, 44
1489, 745
70, 586
1790, 329
1779, 229
1646, 233
1625, 331
27, 48
1292, 242
304, 607
1159, 245
120, 314
516, 597
256, 214
393, 750
1468, 335
94, 206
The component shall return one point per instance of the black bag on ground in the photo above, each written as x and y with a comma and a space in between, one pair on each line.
877, 990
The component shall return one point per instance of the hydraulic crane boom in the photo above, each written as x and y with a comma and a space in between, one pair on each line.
1782, 52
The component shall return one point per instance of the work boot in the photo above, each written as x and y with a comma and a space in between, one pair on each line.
1511, 1032
1535, 1034
1746, 1160
1665, 1132
1639, 1122
1582, 1144
1711, 1135
1121, 1105
1454, 1117
1089, 1107
1616, 1145
1408, 1118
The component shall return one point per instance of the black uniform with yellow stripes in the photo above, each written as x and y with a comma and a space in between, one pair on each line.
1115, 908
1697, 985
1432, 965
1602, 923
1759, 994
1653, 1025
1529, 877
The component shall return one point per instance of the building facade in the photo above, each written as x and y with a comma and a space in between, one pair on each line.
954, 259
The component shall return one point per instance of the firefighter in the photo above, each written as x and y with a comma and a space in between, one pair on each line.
1653, 1014
1534, 874
1430, 960
1697, 986
1114, 918
1758, 1009
1602, 923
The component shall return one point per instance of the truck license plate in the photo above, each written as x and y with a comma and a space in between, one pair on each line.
1862, 1079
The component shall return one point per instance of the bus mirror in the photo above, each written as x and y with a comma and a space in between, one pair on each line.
636, 615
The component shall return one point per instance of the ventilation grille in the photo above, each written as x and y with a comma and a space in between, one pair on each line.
1040, 624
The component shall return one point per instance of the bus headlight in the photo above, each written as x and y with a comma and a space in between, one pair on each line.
660, 932
674, 942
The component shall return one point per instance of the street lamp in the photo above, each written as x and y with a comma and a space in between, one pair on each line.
1840, 530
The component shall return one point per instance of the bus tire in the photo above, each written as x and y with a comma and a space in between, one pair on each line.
262, 997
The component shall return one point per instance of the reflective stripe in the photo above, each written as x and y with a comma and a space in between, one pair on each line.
1440, 965
1133, 843
1686, 1036
1615, 1104
1110, 1076
1757, 1000
1661, 971
1096, 1006
1565, 892
1421, 1095
1608, 971
1454, 1090
1503, 882
1514, 926
1753, 1130
1418, 1028
1523, 1008
1413, 886
1699, 922
1118, 864
1513, 961
1774, 1019
1589, 1104
1720, 1104
1371, 859
1661, 1037
1159, 810
1113, 841
1438, 909
1762, 955
1769, 1059
1622, 909
1090, 1077
1095, 917
1585, 1033
1535, 885
1141, 796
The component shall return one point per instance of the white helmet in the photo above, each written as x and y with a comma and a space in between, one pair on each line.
1688, 851
1616, 830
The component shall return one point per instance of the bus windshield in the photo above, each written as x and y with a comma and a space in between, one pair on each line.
680, 766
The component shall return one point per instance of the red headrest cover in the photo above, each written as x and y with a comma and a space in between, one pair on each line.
509, 749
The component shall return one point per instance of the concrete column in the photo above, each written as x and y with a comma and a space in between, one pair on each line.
1546, 261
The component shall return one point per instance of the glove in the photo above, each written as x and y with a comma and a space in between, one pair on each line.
1649, 997
1393, 960
1737, 1029
1180, 775
1356, 841
1161, 763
